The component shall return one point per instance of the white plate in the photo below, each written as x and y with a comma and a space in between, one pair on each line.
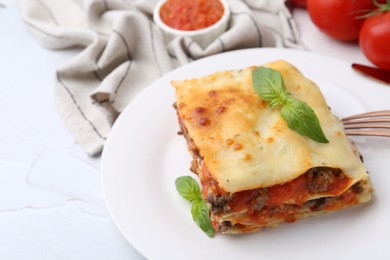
143, 156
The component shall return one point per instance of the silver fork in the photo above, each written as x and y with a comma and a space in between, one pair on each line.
369, 124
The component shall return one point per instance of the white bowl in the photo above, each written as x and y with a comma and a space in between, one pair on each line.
202, 36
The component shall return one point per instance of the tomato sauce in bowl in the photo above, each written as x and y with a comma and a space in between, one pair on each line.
189, 15
201, 20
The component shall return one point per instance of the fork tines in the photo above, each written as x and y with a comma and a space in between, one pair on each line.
370, 124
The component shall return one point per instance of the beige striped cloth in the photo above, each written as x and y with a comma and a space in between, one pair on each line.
123, 52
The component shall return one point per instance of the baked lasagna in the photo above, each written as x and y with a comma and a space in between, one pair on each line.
255, 172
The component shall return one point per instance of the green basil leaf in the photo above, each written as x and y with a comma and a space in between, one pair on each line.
188, 188
302, 119
269, 84
200, 214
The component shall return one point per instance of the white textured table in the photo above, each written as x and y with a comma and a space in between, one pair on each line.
51, 204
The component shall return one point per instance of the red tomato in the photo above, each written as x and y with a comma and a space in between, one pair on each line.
374, 39
337, 18
301, 3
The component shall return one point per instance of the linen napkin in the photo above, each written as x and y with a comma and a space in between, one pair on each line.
123, 52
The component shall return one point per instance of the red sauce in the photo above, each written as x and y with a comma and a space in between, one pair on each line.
208, 182
295, 192
347, 197
189, 15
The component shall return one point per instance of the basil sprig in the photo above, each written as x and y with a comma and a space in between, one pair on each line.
189, 189
269, 84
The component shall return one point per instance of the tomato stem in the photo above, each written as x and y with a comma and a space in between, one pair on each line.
381, 8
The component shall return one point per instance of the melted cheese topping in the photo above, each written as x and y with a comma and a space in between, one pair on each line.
246, 144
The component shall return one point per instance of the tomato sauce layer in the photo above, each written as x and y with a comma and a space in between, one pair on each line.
189, 15
283, 201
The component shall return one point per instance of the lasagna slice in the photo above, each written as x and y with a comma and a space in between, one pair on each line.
255, 171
